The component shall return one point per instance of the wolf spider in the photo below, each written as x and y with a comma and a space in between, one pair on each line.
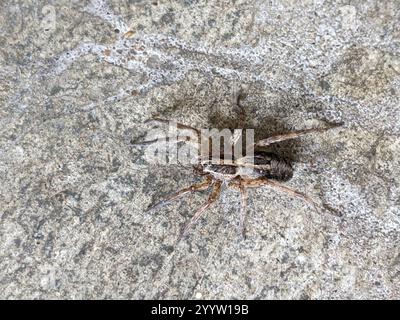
266, 169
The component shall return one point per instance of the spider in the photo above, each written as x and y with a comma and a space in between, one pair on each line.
265, 169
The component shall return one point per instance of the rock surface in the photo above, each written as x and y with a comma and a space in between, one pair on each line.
78, 79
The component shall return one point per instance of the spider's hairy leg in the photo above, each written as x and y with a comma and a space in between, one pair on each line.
242, 111
291, 192
179, 125
292, 135
211, 199
204, 185
166, 139
176, 139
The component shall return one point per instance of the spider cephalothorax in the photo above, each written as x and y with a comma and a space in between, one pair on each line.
261, 169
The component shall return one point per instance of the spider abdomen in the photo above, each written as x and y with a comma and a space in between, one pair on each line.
263, 164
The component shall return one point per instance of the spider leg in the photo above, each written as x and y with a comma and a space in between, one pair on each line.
242, 110
292, 192
211, 199
237, 184
204, 185
292, 135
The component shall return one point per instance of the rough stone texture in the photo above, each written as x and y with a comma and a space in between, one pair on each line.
78, 78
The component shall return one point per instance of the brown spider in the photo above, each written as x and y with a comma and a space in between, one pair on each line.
265, 169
